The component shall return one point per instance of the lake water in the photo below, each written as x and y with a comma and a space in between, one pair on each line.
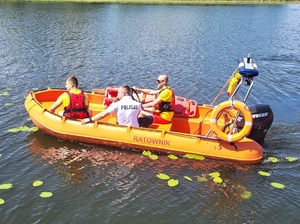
198, 47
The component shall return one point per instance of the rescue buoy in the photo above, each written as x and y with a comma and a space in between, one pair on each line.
237, 105
233, 83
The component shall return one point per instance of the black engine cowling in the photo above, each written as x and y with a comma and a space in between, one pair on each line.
262, 120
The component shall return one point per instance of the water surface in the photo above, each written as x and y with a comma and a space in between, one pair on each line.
198, 47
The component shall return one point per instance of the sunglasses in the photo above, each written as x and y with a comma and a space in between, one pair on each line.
159, 81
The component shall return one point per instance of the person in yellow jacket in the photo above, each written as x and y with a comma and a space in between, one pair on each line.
161, 110
74, 100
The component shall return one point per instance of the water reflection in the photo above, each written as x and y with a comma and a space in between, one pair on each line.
78, 162
95, 165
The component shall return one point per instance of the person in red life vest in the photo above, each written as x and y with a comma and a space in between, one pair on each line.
75, 101
126, 108
162, 108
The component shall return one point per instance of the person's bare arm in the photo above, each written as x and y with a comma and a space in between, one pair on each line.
153, 103
55, 105
147, 91
95, 118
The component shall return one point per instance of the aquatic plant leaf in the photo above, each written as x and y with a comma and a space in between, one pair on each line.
2, 201
189, 156
217, 180
154, 157
163, 176
266, 174
172, 157
277, 185
23, 128
14, 130
273, 159
37, 183
8, 104
33, 129
214, 174
246, 194
173, 182
46, 194
34, 89
146, 153
291, 159
197, 157
5, 186
201, 178
5, 93
0, 155
188, 178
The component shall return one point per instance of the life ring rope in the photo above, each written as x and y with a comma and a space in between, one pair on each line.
237, 105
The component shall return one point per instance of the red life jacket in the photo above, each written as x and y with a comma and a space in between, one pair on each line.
166, 106
77, 108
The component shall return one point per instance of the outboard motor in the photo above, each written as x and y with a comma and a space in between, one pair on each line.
262, 119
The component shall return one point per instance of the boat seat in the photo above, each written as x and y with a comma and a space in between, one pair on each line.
110, 95
185, 107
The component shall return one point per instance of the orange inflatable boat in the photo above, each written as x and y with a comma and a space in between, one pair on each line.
212, 131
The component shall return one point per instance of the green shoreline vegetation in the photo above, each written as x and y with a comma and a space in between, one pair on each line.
179, 2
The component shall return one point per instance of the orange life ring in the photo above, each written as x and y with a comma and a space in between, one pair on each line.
237, 105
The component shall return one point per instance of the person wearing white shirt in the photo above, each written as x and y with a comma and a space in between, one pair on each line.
126, 108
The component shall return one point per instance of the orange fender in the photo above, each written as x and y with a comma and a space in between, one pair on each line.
233, 83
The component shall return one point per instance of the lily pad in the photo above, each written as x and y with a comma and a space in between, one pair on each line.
246, 194
153, 157
172, 157
201, 178
214, 174
188, 178
14, 130
173, 182
291, 159
189, 156
163, 176
37, 183
23, 128
5, 186
2, 201
46, 194
277, 185
146, 153
266, 174
217, 180
33, 129
273, 159
197, 157
4, 93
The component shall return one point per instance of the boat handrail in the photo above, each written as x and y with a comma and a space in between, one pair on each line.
225, 85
